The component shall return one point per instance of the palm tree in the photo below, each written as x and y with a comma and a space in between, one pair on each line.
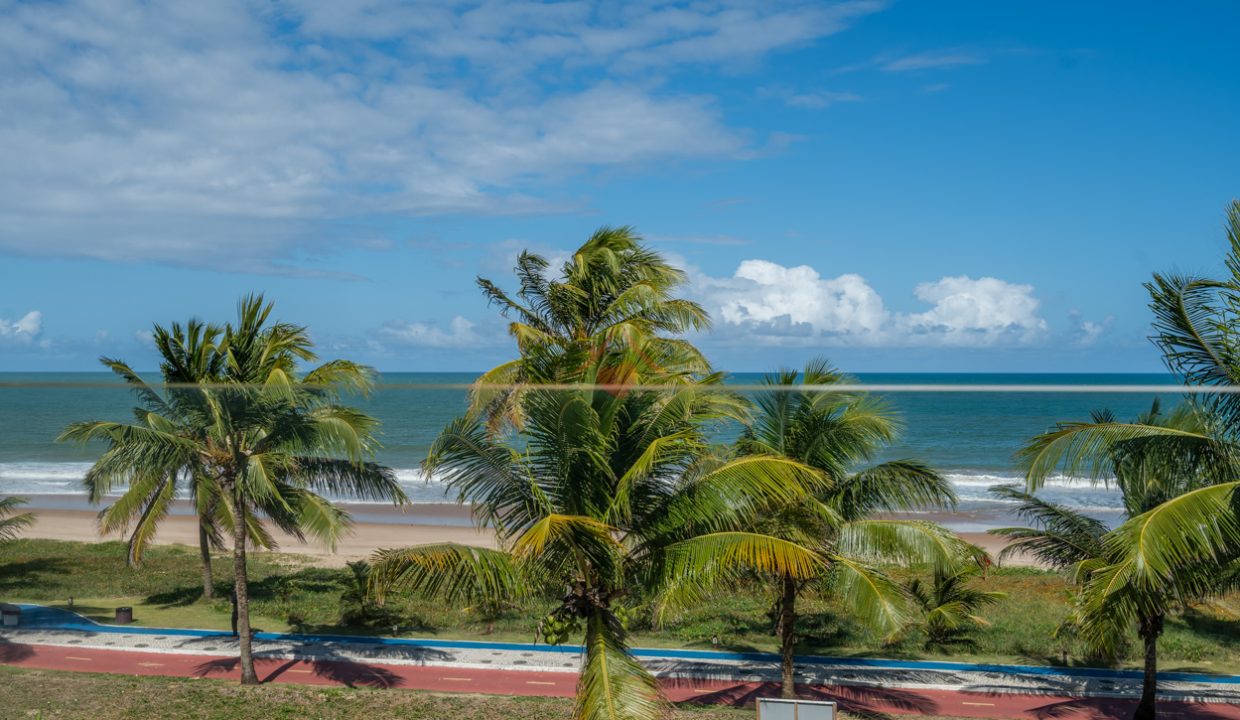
1152, 460
609, 493
612, 305
950, 604
269, 440
189, 359
834, 432
11, 521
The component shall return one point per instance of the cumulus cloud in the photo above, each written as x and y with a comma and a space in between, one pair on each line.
969, 312
242, 136
460, 333
23, 330
796, 305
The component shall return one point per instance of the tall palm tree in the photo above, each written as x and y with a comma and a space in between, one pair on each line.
612, 305
13, 522
1152, 460
269, 439
835, 433
189, 359
607, 492
1184, 546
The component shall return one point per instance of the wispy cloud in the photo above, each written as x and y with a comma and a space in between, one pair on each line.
234, 136
459, 333
933, 60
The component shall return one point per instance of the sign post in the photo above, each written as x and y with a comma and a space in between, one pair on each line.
780, 709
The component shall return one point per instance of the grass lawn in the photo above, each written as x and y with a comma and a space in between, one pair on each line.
49, 695
290, 594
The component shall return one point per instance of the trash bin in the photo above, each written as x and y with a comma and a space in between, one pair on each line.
124, 615
10, 615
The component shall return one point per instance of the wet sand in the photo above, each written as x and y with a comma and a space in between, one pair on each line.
66, 517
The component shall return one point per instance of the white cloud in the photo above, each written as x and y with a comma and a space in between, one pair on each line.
969, 312
233, 135
460, 333
767, 301
23, 330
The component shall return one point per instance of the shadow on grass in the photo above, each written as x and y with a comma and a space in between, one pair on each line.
182, 596
1223, 632
30, 573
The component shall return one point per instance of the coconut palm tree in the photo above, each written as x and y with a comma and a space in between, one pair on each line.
270, 440
605, 494
612, 306
1156, 458
836, 433
13, 522
189, 358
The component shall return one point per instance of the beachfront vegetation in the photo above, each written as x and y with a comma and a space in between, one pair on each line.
289, 594
598, 484
834, 432
253, 436
611, 306
1151, 460
12, 522
615, 496
951, 602
1178, 474
188, 359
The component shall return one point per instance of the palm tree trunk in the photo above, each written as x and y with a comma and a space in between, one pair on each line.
204, 552
1150, 628
787, 637
242, 588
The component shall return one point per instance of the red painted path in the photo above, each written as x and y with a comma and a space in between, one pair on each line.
515, 682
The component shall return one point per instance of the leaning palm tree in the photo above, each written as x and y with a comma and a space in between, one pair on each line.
610, 493
612, 305
270, 440
189, 359
13, 522
835, 433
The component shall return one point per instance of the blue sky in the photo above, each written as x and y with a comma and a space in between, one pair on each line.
902, 186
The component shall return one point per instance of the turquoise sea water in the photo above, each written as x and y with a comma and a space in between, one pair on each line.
970, 436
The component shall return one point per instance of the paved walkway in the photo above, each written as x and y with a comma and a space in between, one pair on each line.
59, 640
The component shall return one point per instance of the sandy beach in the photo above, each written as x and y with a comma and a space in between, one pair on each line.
376, 526
431, 523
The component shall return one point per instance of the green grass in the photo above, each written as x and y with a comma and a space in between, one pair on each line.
290, 594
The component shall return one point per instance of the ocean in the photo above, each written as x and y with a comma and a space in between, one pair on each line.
969, 436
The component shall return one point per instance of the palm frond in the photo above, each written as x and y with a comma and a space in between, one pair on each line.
448, 571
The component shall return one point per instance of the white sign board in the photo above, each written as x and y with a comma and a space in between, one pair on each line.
779, 709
